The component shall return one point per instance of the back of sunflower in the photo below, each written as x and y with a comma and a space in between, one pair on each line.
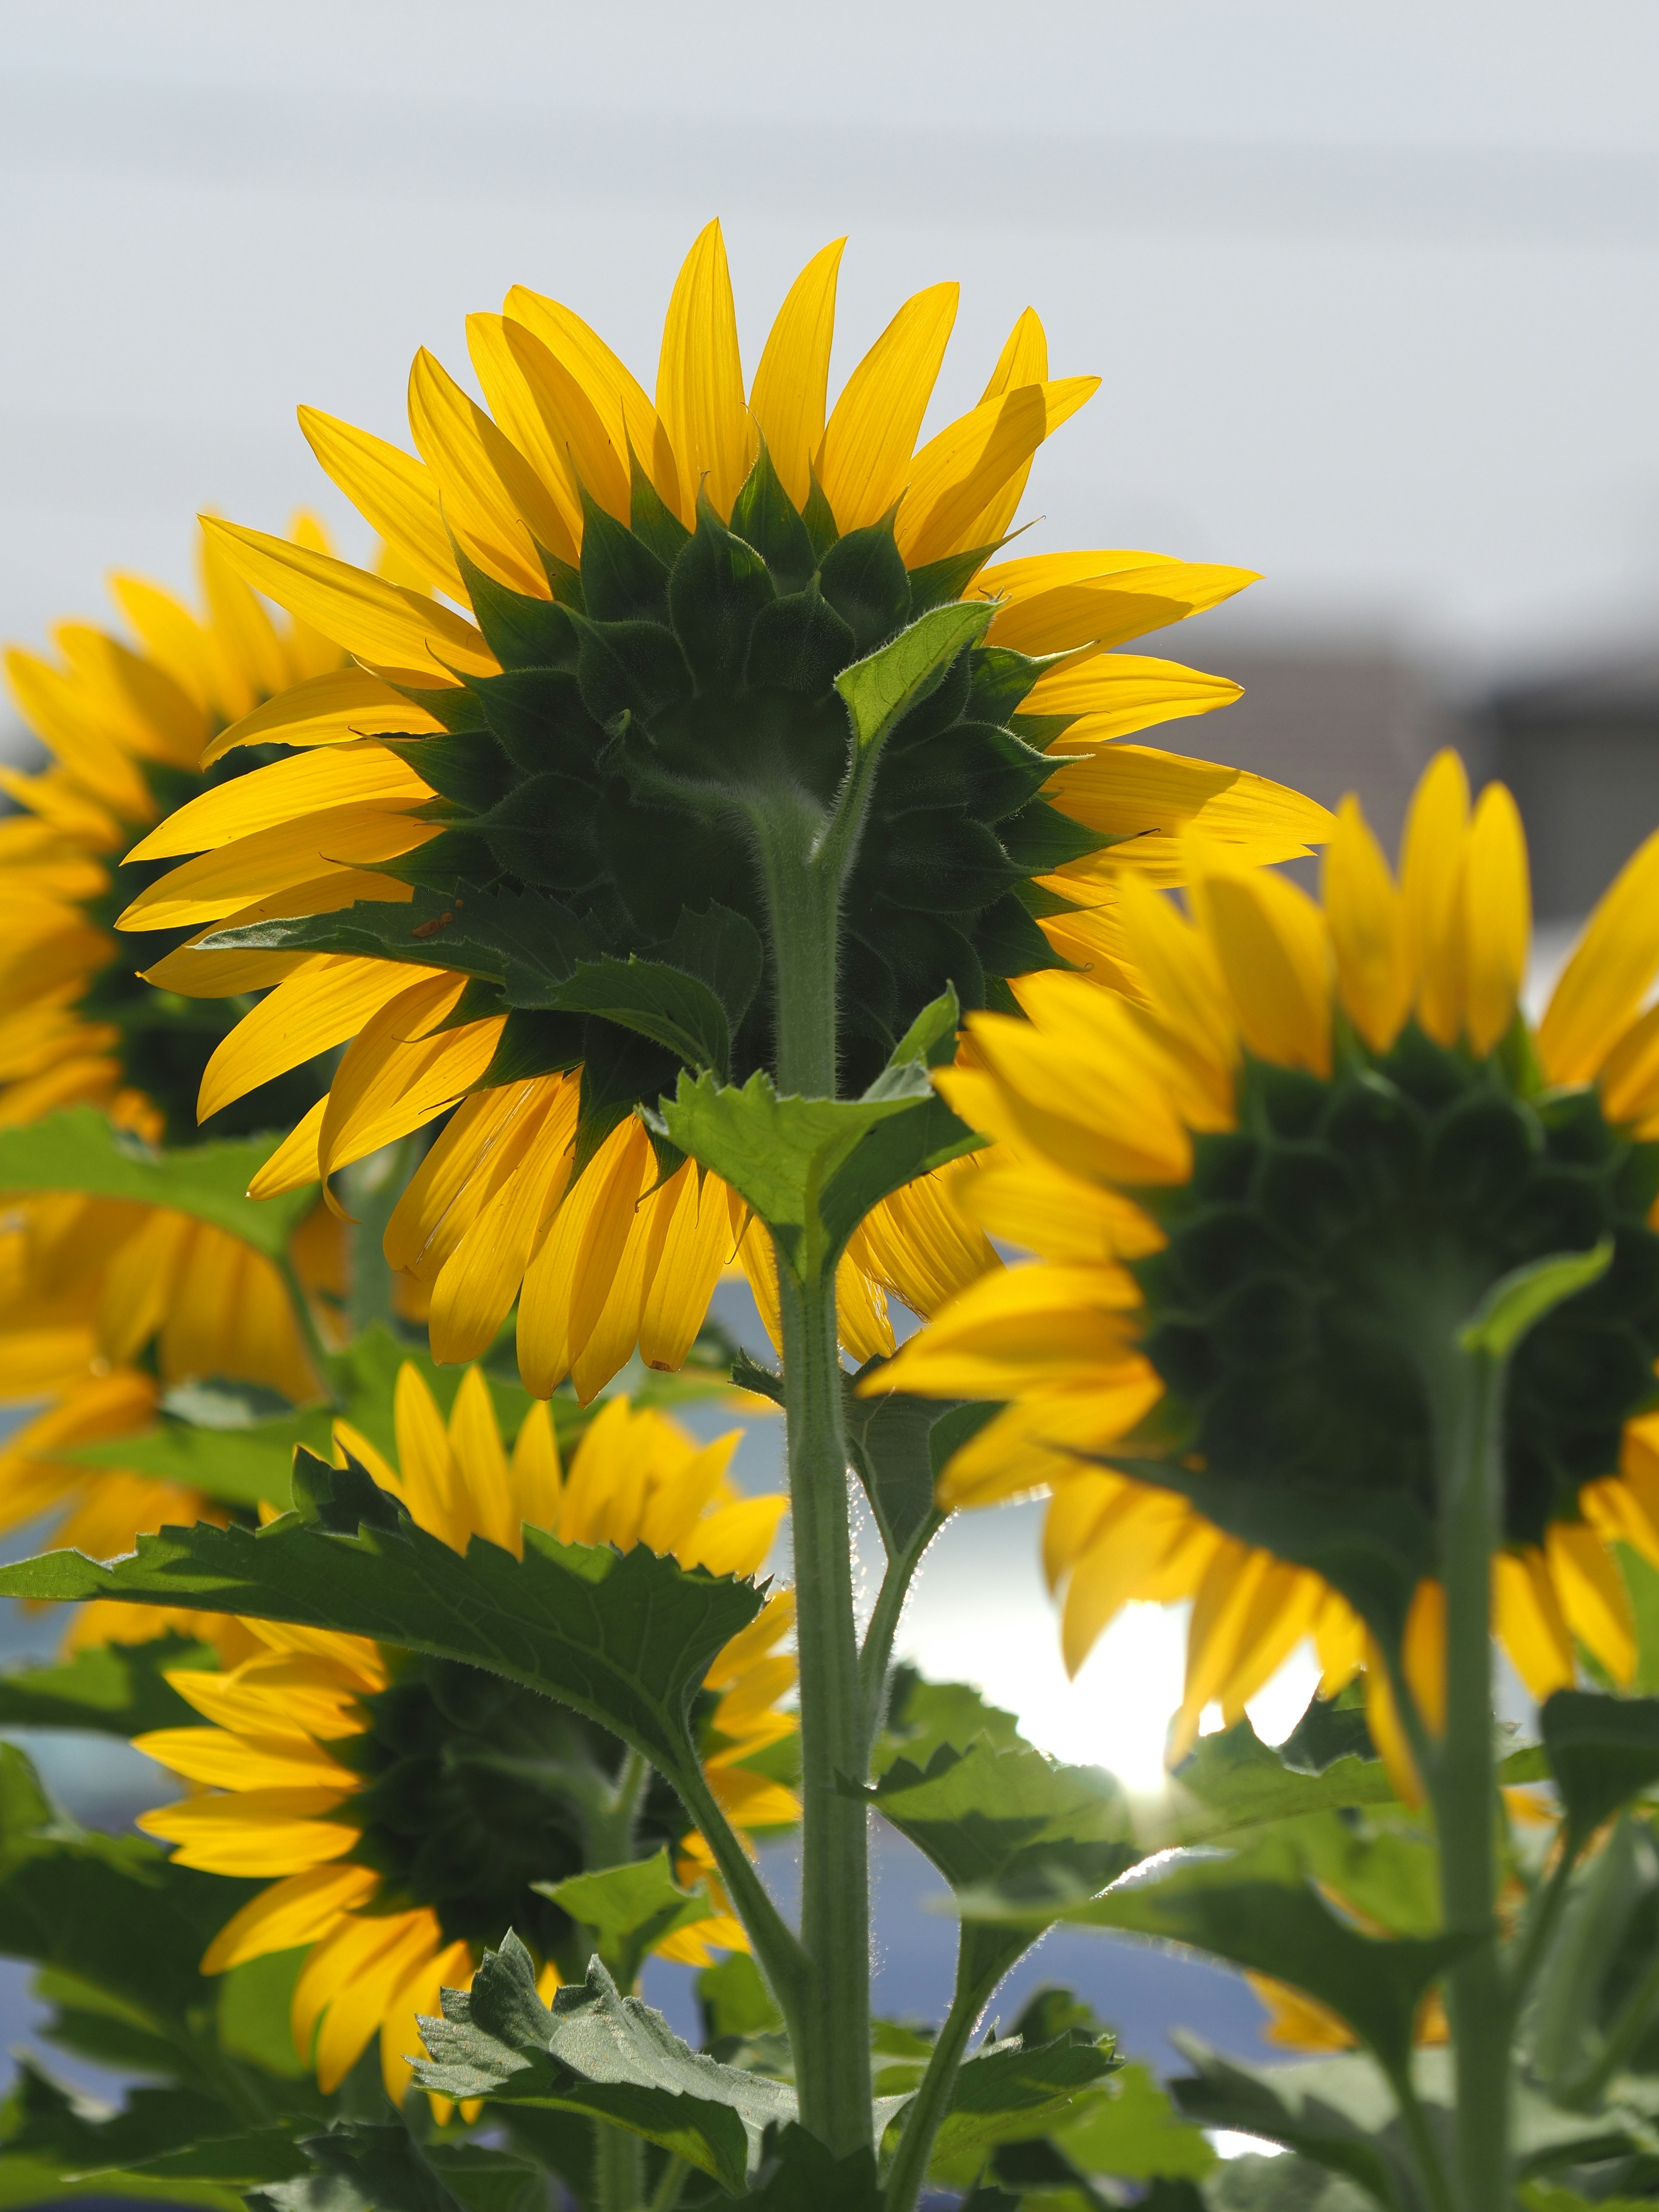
693, 851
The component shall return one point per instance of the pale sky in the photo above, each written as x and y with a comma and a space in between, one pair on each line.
1373, 292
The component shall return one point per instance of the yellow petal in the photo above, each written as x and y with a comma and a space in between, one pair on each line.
218, 883
291, 1912
1112, 695
628, 416
537, 1481
400, 1070
554, 420
1052, 601
309, 1013
329, 710
1594, 1600
791, 383
1270, 941
1367, 930
1430, 877
1023, 360
486, 1494
242, 627
1606, 979
1497, 918
957, 477
1423, 1653
1529, 1624
385, 625
864, 463
360, 774
478, 1283
492, 499
1022, 1329
294, 1163
700, 376
255, 1832
171, 635
391, 490
684, 1265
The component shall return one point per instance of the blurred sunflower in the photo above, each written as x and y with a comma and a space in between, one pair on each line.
1264, 1190
403, 1807
663, 595
103, 1305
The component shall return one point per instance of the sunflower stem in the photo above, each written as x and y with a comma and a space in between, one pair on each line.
832, 2043
802, 886
1466, 1391
977, 1977
618, 2169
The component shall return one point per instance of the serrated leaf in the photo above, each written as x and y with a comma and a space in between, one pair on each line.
1603, 1753
380, 2166
880, 689
1010, 2091
115, 1689
1523, 1298
923, 1714
800, 2174
1258, 1909
1233, 1784
80, 1150
624, 1638
599, 2052
629, 1909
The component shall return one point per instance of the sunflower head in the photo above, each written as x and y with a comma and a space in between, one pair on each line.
588, 773
125, 724
1270, 1188
410, 1811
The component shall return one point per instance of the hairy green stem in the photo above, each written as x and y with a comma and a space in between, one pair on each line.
977, 1975
618, 2169
1468, 1399
671, 2186
777, 1949
876, 1658
832, 2049
610, 1825
803, 896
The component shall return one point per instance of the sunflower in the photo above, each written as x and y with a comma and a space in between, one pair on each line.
1249, 1188
103, 1305
665, 593
404, 1806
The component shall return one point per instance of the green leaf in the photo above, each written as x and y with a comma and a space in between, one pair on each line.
1234, 1783
1338, 2113
1524, 1297
247, 1467
881, 689
813, 1168
1603, 1753
624, 1638
923, 1714
1134, 2133
735, 2002
1258, 1909
116, 1689
80, 1150
890, 1438
378, 2165
629, 1909
601, 2053
675, 1010
1010, 2090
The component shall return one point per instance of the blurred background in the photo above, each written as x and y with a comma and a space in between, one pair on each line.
1373, 295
